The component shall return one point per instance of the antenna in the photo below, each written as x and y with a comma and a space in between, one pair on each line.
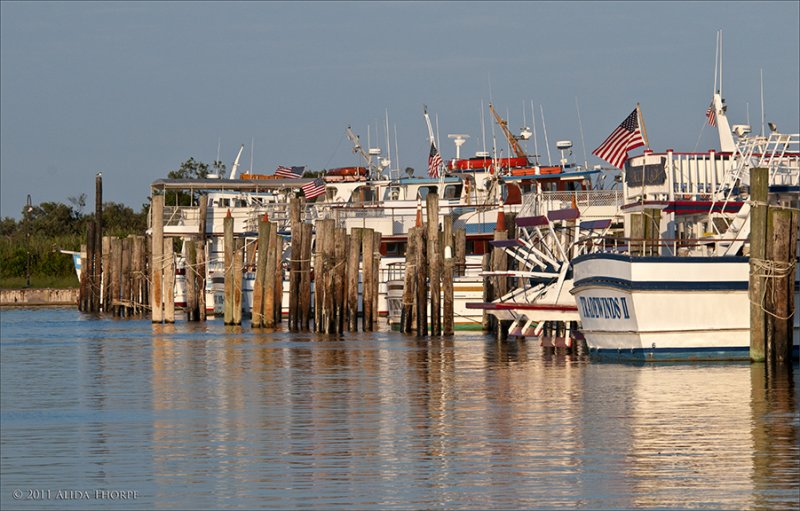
716, 65
388, 144
546, 143
252, 144
219, 144
396, 151
483, 129
762, 101
583, 142
535, 139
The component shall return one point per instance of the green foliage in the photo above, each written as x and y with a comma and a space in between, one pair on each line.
190, 169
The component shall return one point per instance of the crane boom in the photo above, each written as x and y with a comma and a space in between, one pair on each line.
512, 140
358, 149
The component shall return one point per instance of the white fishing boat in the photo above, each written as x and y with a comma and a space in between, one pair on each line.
685, 296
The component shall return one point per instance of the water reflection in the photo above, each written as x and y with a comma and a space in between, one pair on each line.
208, 416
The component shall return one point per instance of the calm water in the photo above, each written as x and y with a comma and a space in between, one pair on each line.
204, 416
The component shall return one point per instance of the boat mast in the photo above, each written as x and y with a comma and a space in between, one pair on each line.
546, 143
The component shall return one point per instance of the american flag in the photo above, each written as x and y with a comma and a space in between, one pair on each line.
434, 162
711, 113
314, 189
290, 172
626, 137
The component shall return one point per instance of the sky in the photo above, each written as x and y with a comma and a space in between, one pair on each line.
132, 90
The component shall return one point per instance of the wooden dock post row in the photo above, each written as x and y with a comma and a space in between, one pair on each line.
430, 269
140, 275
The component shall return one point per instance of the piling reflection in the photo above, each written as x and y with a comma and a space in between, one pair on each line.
775, 437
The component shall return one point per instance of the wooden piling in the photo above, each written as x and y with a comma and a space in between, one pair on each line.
782, 227
277, 309
305, 276
759, 190
229, 248
190, 279
91, 283
434, 264
447, 291
115, 276
352, 278
421, 300
376, 280
328, 264
294, 265
339, 272
105, 263
125, 277
270, 247
137, 268
368, 275
257, 316
200, 251
169, 281
156, 258
238, 267
97, 275
488, 292
461, 251
83, 292
409, 282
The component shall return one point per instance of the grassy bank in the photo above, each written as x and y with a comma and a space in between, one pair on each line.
48, 266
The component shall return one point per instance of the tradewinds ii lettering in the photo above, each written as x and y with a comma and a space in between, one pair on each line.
604, 308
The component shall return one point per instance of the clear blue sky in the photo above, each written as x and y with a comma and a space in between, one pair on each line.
134, 89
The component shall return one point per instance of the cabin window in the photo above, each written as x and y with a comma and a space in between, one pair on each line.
393, 193
392, 248
475, 247
452, 192
425, 190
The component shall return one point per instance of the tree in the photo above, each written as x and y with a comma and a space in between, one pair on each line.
190, 169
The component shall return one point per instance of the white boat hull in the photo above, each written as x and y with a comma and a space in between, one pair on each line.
664, 307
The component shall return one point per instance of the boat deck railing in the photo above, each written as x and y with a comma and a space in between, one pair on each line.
534, 204
684, 247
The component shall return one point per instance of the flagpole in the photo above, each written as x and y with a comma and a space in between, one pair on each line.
641, 121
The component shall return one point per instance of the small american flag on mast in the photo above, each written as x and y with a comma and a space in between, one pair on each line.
314, 189
290, 172
711, 113
434, 162
626, 137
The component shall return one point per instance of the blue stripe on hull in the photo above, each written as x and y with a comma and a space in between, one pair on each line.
677, 354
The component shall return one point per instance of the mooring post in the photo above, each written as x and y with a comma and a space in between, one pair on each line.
759, 190
238, 266
125, 277
434, 266
277, 309
268, 289
500, 264
340, 260
97, 275
368, 270
305, 276
169, 280
229, 248
447, 290
376, 278
115, 275
352, 278
406, 314
421, 302
782, 226
200, 250
295, 263
257, 316
156, 258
